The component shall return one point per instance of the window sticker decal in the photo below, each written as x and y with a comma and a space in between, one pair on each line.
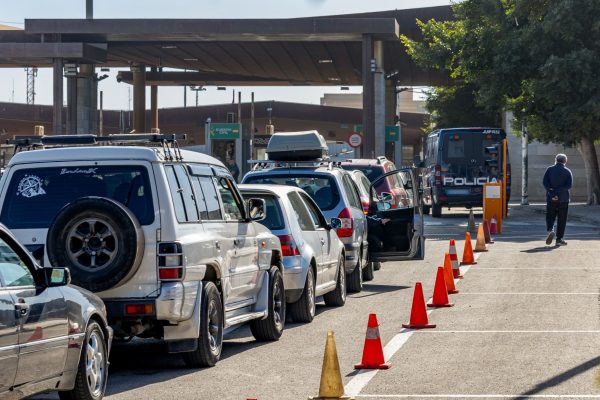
30, 186
78, 171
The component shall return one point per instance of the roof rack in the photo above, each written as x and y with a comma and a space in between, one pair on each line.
167, 141
264, 164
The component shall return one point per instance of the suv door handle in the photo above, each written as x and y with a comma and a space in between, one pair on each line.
236, 242
21, 308
217, 244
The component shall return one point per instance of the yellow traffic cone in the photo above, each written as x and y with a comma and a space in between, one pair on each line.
331, 386
480, 244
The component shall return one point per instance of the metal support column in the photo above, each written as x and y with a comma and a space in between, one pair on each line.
379, 97
57, 94
368, 68
139, 98
524, 165
154, 105
86, 99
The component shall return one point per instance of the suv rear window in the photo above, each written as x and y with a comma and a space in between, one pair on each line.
321, 188
35, 195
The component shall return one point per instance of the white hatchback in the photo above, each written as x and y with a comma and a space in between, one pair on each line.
313, 255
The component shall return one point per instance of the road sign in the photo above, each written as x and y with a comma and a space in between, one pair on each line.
392, 132
355, 140
224, 131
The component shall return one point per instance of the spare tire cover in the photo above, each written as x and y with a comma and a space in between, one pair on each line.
99, 240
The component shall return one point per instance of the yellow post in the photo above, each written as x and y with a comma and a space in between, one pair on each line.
493, 203
331, 386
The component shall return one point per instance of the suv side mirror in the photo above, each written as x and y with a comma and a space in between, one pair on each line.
335, 223
256, 210
57, 276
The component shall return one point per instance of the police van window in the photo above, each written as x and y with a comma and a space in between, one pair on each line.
456, 148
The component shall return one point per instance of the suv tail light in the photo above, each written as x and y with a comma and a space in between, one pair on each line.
347, 224
438, 175
365, 206
170, 261
288, 246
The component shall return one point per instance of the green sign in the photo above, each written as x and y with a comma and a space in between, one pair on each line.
392, 132
225, 131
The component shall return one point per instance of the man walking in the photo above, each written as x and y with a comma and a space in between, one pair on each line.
557, 181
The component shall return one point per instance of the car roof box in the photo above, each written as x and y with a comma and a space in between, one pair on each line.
297, 146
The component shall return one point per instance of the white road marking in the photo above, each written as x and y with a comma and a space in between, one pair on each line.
364, 376
508, 331
534, 293
538, 268
480, 396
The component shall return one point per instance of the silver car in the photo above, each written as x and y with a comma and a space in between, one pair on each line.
336, 194
53, 336
313, 255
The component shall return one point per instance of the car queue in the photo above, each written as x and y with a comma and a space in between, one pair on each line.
165, 245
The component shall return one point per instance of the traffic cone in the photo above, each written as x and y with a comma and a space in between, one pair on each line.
440, 291
471, 225
454, 261
486, 232
493, 226
480, 243
418, 314
331, 386
448, 276
468, 257
372, 357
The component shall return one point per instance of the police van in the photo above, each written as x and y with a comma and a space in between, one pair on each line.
458, 161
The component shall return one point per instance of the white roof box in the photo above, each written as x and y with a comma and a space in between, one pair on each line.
297, 146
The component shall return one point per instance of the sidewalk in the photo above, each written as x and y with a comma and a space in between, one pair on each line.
577, 212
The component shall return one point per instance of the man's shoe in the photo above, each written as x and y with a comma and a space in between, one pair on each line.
550, 237
561, 242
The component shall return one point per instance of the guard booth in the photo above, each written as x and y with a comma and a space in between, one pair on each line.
224, 142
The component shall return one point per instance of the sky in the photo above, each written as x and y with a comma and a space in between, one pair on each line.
117, 95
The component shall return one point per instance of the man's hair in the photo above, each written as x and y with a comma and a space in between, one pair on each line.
561, 158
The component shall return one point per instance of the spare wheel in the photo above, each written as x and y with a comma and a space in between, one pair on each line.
99, 240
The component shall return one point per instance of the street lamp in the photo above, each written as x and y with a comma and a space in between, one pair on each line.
197, 89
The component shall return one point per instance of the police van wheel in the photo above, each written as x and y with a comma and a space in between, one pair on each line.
436, 210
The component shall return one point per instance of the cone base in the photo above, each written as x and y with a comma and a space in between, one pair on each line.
330, 398
372, 366
410, 326
453, 291
440, 305
479, 251
457, 276
465, 263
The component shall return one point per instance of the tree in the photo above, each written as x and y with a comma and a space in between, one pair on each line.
538, 58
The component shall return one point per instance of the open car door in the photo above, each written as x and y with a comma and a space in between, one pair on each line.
396, 231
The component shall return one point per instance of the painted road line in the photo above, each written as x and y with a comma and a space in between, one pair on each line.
479, 396
538, 268
516, 331
364, 376
534, 293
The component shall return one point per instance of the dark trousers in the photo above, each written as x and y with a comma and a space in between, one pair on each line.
559, 210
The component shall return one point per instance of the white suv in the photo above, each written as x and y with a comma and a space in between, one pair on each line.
162, 235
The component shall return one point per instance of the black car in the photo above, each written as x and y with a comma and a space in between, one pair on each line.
53, 336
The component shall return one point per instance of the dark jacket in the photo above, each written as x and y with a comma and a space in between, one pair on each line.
557, 181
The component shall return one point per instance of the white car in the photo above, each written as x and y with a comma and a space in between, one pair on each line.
162, 235
313, 255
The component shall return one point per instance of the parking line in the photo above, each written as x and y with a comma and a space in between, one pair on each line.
516, 331
538, 269
533, 293
479, 396
364, 376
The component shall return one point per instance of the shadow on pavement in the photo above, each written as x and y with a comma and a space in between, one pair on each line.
371, 289
558, 379
541, 249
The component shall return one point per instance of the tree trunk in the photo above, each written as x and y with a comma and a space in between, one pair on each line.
592, 172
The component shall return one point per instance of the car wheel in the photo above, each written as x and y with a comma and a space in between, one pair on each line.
377, 265
92, 371
210, 340
436, 210
337, 298
305, 308
355, 281
99, 240
369, 271
271, 327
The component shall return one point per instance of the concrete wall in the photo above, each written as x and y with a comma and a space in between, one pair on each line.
540, 157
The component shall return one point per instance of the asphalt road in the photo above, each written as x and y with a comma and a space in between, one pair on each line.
526, 324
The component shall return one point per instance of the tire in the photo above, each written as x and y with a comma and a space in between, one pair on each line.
92, 370
210, 339
355, 281
377, 265
369, 272
436, 210
304, 309
337, 298
271, 327
99, 240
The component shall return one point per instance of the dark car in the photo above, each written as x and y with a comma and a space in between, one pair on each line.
53, 336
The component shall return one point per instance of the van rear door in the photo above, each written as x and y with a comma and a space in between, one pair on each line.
396, 234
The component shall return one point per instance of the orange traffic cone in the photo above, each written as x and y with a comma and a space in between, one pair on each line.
493, 226
480, 243
372, 357
454, 261
468, 257
486, 232
440, 291
448, 275
418, 314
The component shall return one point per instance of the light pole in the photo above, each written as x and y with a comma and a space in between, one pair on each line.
197, 89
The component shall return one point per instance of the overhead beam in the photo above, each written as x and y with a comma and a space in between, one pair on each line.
82, 52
